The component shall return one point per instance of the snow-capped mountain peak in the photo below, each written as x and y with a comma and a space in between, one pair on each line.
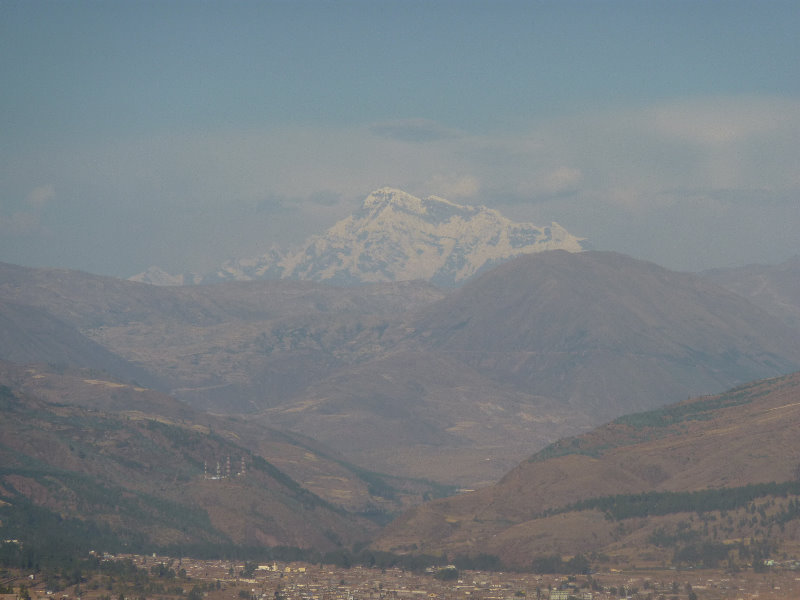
158, 276
387, 197
395, 236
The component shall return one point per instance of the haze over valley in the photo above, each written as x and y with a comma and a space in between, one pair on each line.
335, 296
308, 414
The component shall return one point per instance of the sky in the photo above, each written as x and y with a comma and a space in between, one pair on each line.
183, 134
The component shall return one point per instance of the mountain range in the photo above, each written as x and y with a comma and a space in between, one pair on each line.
405, 378
353, 403
394, 236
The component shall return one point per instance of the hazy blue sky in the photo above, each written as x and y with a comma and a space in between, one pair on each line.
182, 134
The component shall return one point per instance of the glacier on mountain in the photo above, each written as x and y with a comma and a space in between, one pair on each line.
395, 236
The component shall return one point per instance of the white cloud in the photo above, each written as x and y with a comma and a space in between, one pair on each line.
454, 186
713, 144
41, 195
591, 172
27, 221
562, 180
20, 223
721, 121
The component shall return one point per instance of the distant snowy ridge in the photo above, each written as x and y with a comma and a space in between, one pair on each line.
158, 276
395, 236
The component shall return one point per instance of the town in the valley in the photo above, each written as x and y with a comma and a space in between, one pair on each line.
137, 577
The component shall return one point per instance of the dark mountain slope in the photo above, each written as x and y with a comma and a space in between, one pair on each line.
29, 334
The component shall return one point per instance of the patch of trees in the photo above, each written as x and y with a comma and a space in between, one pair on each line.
230, 551
693, 547
112, 574
383, 560
699, 410
162, 571
627, 506
711, 554
47, 536
683, 534
49, 539
7, 398
554, 564
708, 554
447, 574
566, 446
789, 513
481, 562
376, 483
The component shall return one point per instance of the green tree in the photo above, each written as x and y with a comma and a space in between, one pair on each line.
196, 593
578, 564
249, 569
447, 574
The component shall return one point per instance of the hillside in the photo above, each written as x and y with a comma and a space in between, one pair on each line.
123, 467
605, 333
31, 334
233, 347
775, 288
419, 414
646, 488
534, 349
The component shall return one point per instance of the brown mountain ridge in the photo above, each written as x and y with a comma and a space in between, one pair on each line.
688, 473
134, 469
542, 346
402, 378
605, 333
